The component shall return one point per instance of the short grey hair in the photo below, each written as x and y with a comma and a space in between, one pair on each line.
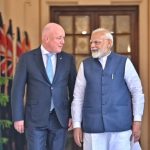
107, 33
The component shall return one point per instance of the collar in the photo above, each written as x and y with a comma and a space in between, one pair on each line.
45, 52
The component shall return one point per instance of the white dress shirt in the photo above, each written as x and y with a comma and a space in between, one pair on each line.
133, 82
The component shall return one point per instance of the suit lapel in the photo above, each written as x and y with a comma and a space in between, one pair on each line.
58, 66
40, 63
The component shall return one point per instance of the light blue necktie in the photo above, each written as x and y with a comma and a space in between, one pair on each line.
49, 68
50, 74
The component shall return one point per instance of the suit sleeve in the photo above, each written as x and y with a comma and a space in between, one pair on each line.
18, 90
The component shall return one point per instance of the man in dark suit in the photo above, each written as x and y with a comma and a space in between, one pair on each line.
46, 115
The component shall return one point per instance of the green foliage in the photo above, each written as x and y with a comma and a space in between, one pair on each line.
4, 99
4, 80
3, 140
5, 124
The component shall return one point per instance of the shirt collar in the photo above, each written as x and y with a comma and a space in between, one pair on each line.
44, 51
104, 58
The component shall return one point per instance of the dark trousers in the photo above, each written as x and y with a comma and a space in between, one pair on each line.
19, 141
51, 138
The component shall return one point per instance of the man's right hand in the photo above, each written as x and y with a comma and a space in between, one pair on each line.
78, 136
19, 126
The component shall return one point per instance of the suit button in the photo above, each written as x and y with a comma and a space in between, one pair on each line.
51, 88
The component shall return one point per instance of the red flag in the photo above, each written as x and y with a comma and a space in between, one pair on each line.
3, 61
9, 39
19, 48
26, 42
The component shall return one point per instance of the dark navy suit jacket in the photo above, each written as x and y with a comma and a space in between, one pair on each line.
31, 77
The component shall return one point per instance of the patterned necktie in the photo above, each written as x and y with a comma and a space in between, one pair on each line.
49, 68
50, 74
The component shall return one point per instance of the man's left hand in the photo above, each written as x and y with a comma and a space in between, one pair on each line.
136, 130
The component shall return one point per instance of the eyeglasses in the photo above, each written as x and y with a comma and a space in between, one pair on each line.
97, 42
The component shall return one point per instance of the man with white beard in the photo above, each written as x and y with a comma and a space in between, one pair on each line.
108, 100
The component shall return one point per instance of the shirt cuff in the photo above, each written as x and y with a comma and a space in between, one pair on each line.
76, 124
137, 118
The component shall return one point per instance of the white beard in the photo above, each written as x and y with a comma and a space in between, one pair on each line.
97, 53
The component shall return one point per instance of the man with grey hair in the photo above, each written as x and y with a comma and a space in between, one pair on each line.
46, 115
108, 99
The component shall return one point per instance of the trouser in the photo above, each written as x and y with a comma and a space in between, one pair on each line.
107, 141
51, 138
